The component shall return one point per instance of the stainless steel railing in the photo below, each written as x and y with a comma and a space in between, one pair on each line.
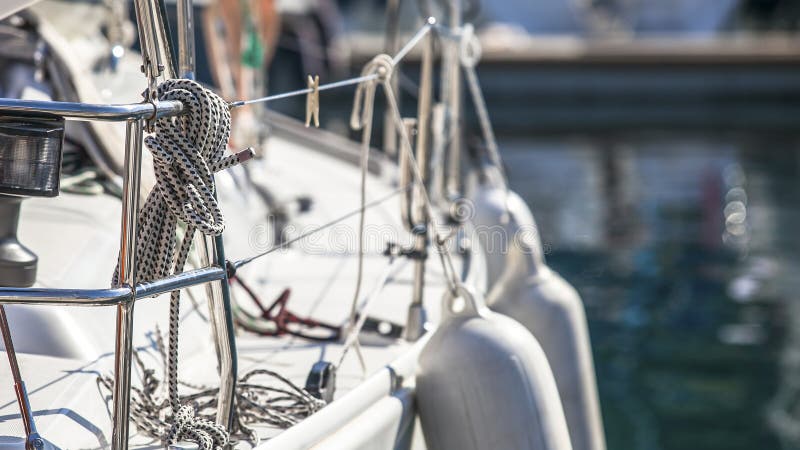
124, 296
89, 111
111, 296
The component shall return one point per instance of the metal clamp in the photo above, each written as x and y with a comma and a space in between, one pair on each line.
321, 381
151, 121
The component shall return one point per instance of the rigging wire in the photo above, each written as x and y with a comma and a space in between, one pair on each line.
242, 262
421, 33
430, 22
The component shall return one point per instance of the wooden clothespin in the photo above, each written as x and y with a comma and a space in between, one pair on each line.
312, 101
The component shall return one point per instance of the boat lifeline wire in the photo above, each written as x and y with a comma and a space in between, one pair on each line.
379, 70
383, 199
362, 81
421, 33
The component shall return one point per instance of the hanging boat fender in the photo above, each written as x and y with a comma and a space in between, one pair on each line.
549, 307
484, 382
552, 310
499, 217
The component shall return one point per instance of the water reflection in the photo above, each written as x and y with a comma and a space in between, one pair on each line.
683, 248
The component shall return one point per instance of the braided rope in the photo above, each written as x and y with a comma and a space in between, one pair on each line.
186, 150
279, 403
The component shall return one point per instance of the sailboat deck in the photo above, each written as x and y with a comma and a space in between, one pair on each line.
75, 237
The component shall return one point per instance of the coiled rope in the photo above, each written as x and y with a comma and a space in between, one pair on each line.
279, 403
186, 150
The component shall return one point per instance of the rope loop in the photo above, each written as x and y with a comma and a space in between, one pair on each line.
469, 47
382, 67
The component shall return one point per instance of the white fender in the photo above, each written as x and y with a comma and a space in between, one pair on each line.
552, 310
497, 229
531, 293
484, 383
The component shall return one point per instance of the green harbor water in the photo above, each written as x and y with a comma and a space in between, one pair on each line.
684, 248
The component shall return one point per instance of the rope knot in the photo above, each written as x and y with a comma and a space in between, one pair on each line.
207, 434
187, 150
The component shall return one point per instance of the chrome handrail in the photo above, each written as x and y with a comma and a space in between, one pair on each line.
91, 111
111, 296
124, 296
